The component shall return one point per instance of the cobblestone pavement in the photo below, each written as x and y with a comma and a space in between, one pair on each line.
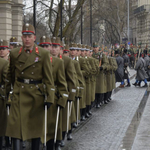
107, 127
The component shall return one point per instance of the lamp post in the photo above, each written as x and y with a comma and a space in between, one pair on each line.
34, 14
61, 7
81, 27
128, 22
91, 22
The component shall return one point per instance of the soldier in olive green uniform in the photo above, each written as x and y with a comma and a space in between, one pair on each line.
87, 81
85, 72
28, 76
3, 113
13, 43
93, 71
71, 84
81, 84
61, 96
108, 79
4, 53
101, 83
114, 67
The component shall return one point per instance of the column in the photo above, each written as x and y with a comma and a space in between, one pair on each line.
5, 19
17, 16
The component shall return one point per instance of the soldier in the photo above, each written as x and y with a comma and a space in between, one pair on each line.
65, 52
4, 51
28, 75
114, 67
108, 78
85, 72
3, 113
92, 78
71, 85
13, 43
126, 65
120, 70
101, 77
61, 95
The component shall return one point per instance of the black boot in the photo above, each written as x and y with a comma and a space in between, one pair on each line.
69, 136
83, 118
17, 144
62, 142
57, 146
36, 144
135, 84
24, 144
7, 142
128, 85
83, 114
50, 145
1, 139
74, 125
145, 85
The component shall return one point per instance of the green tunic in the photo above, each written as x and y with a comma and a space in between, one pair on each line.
3, 113
26, 119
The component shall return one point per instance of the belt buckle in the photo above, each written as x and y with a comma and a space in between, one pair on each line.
27, 81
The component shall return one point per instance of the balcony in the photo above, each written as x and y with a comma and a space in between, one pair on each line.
142, 10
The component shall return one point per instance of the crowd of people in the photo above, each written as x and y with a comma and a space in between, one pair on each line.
46, 90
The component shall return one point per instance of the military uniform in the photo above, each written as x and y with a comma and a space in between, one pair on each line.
61, 96
14, 43
26, 93
3, 113
101, 78
28, 76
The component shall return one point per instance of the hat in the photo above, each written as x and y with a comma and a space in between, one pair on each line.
83, 48
55, 41
28, 29
45, 41
3, 43
73, 46
95, 44
87, 48
13, 40
79, 46
66, 48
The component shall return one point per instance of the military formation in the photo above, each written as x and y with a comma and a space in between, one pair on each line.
46, 90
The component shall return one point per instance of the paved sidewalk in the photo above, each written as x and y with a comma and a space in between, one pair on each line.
142, 139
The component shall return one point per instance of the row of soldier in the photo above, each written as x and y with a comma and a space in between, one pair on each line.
66, 81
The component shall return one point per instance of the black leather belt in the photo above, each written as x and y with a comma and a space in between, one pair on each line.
29, 81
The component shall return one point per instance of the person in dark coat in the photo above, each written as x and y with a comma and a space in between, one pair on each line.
141, 73
120, 71
147, 63
126, 65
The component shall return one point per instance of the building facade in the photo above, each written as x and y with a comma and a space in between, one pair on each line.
11, 14
140, 22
